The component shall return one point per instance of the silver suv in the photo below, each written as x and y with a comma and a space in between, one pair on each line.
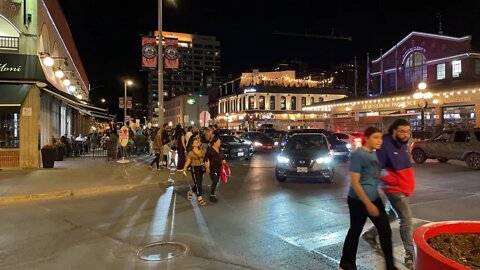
462, 144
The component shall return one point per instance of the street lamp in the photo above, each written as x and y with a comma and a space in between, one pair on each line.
127, 82
422, 94
103, 100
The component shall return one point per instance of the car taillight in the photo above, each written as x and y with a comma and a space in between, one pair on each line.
357, 140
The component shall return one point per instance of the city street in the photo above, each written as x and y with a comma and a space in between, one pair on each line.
258, 223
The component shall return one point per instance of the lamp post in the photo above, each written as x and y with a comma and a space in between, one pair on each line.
422, 95
160, 65
127, 82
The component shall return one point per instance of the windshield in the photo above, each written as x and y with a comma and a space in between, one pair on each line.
307, 143
228, 139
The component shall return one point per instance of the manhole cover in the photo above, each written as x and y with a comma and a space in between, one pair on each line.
161, 251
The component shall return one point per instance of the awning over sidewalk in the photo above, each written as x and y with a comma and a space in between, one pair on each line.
13, 94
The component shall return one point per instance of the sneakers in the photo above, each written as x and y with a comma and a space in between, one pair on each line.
372, 241
408, 262
213, 198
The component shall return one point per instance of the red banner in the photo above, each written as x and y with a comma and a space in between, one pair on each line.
149, 52
171, 54
129, 103
121, 102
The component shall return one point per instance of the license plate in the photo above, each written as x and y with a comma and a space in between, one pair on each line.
240, 154
302, 169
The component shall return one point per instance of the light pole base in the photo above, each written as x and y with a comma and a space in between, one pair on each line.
123, 161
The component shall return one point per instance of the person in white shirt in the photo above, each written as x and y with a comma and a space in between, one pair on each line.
189, 134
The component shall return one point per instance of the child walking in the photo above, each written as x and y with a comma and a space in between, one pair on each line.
364, 201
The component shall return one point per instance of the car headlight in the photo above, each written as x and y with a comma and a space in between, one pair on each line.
349, 146
275, 143
257, 144
324, 160
283, 159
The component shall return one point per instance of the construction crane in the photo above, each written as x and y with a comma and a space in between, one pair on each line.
331, 36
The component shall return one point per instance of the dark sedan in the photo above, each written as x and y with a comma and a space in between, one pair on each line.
305, 156
259, 139
234, 148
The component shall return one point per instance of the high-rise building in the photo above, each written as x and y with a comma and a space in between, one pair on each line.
199, 69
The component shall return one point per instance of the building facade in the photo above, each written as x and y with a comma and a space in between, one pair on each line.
187, 110
276, 98
199, 69
43, 85
449, 67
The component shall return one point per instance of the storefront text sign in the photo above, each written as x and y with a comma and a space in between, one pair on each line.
5, 67
19, 66
384, 105
457, 100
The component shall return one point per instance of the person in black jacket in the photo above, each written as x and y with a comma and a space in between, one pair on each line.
213, 163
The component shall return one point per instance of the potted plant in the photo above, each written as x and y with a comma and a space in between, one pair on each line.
429, 256
60, 153
49, 153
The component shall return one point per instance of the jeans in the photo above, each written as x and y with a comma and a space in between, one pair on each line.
400, 203
358, 217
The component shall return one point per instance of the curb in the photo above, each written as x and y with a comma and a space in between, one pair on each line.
69, 193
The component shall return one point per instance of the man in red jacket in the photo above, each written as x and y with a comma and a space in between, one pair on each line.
400, 184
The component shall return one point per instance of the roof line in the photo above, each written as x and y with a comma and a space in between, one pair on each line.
424, 35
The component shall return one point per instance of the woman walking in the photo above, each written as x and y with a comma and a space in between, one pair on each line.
196, 159
157, 147
364, 201
214, 161
181, 147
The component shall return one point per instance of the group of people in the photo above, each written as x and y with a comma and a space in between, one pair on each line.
383, 162
197, 150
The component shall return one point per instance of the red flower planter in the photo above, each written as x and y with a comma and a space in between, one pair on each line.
429, 259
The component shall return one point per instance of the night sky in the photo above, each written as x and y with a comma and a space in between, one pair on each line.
107, 33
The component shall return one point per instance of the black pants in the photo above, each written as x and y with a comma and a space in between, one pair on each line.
358, 217
197, 176
215, 176
156, 160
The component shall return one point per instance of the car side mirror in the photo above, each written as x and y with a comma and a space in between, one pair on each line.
242, 140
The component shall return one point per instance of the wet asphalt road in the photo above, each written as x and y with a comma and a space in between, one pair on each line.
257, 224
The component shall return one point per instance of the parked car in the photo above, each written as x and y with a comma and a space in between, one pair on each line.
259, 139
234, 148
305, 155
459, 144
277, 137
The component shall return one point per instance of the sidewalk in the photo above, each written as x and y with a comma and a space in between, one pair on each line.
78, 177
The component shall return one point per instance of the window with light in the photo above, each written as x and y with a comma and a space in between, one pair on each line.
441, 71
456, 68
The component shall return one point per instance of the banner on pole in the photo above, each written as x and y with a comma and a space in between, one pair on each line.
171, 53
149, 53
121, 102
129, 103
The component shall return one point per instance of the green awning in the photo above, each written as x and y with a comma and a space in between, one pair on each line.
13, 94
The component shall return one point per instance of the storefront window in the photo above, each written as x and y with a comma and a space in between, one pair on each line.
283, 103
416, 120
460, 117
294, 104
9, 129
261, 101
272, 103
251, 102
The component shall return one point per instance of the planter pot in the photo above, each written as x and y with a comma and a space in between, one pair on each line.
428, 258
48, 157
60, 153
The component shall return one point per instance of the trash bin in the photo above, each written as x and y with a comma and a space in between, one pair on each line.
429, 259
